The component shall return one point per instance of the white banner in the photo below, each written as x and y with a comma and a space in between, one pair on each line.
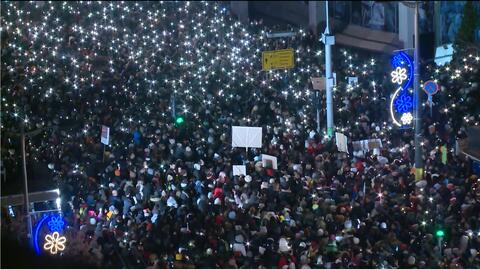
341, 141
246, 137
105, 137
239, 170
269, 161
366, 145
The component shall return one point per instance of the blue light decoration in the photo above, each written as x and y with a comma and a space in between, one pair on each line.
401, 104
54, 223
404, 103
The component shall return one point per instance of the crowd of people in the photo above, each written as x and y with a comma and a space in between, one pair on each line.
162, 194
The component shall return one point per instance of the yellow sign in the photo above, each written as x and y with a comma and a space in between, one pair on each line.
418, 174
277, 59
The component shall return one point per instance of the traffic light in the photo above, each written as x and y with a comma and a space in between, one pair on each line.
179, 120
440, 233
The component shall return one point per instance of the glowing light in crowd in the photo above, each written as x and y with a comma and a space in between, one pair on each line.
54, 243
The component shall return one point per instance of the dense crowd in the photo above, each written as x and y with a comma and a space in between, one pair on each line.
162, 194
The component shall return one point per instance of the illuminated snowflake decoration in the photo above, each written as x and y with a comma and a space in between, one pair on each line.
404, 103
54, 243
399, 75
56, 223
406, 118
397, 61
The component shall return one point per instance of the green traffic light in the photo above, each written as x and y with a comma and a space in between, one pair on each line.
440, 233
179, 120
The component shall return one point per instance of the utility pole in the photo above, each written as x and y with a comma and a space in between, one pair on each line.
26, 201
328, 40
418, 103
22, 135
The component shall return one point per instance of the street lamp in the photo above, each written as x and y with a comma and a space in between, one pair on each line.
440, 234
417, 96
26, 200
179, 120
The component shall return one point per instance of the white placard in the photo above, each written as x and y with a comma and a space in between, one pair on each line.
239, 170
318, 83
269, 161
341, 141
367, 144
105, 136
246, 137
352, 81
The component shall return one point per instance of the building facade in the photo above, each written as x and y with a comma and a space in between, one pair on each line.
381, 26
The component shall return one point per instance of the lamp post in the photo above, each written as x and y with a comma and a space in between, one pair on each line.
26, 201
417, 96
328, 40
418, 105
439, 234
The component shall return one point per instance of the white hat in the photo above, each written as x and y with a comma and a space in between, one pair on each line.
154, 199
93, 221
217, 201
348, 224
197, 166
283, 245
411, 260
383, 225
248, 178
421, 184
356, 240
